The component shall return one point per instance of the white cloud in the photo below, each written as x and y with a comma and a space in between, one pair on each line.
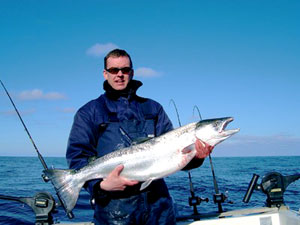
146, 72
54, 96
67, 110
37, 94
14, 113
98, 50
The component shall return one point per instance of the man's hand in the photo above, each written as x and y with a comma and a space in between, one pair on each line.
115, 182
202, 149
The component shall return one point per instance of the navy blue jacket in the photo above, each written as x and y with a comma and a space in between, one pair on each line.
91, 118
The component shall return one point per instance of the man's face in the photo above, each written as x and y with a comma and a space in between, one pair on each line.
118, 79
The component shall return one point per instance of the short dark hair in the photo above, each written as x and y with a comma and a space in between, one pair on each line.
116, 53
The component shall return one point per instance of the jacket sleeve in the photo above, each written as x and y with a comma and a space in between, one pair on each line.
82, 142
193, 164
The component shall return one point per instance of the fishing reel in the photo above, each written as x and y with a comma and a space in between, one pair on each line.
195, 200
43, 205
273, 185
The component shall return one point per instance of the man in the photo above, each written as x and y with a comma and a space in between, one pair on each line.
113, 121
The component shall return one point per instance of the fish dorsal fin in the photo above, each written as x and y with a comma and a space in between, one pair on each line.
146, 184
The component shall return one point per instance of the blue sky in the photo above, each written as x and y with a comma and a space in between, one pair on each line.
230, 58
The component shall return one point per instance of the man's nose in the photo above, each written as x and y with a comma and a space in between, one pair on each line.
120, 73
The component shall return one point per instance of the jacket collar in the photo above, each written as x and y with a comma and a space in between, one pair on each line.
128, 92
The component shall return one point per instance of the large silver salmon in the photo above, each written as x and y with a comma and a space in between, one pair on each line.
145, 162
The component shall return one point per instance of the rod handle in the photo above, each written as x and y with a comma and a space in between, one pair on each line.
251, 188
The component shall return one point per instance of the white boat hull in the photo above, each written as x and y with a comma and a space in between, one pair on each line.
259, 216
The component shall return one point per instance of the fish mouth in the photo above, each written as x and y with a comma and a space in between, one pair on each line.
224, 132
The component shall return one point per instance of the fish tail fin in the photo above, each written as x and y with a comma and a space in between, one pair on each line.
67, 186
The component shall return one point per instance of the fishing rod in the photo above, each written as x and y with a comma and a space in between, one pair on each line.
218, 197
177, 114
193, 200
36, 149
46, 179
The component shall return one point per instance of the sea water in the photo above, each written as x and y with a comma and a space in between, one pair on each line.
21, 177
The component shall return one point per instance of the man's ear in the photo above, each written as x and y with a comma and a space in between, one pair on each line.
105, 74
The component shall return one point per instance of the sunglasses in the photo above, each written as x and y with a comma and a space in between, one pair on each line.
124, 70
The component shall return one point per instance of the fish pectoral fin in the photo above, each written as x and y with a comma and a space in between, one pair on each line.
188, 148
146, 184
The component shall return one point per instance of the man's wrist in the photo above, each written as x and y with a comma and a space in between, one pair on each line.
102, 186
98, 192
